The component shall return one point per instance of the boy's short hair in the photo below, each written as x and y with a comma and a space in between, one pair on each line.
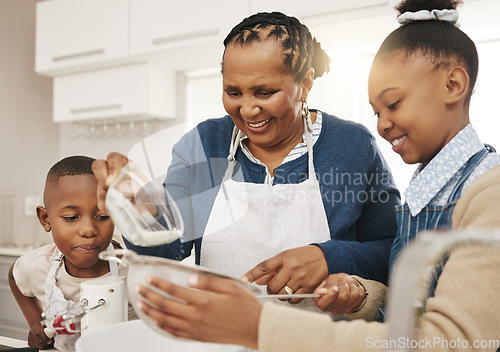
70, 166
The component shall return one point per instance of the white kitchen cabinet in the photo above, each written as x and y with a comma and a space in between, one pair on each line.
190, 32
139, 90
307, 9
12, 322
74, 34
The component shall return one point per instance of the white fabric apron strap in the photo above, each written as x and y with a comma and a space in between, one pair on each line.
52, 292
56, 303
113, 266
231, 158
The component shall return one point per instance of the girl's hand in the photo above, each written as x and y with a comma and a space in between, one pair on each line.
105, 171
220, 310
37, 337
340, 294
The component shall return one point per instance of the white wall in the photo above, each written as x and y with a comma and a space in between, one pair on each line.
29, 138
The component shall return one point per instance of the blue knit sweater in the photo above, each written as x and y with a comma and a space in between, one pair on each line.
357, 189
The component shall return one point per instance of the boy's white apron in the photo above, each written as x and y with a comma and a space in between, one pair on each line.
54, 300
252, 222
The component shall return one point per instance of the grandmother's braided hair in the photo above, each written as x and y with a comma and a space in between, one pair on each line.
301, 51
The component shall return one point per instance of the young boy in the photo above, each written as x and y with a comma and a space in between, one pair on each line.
47, 278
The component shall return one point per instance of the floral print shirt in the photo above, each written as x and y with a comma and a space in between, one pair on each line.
433, 184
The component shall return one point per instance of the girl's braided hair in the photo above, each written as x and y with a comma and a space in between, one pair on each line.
300, 50
439, 40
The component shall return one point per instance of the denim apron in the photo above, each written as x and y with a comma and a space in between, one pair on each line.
432, 217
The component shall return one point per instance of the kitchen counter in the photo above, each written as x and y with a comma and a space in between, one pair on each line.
12, 322
7, 341
14, 251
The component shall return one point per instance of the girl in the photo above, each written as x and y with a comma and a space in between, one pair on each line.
420, 87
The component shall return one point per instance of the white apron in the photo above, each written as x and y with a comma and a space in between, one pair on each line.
55, 301
252, 222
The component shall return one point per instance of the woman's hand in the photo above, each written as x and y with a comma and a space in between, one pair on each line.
220, 310
105, 171
38, 338
300, 269
340, 294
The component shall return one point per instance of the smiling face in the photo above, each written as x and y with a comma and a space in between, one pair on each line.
408, 93
79, 229
262, 100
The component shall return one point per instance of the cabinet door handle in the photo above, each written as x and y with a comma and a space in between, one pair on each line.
190, 35
96, 108
76, 55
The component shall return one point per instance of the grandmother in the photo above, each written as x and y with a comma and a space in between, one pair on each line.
273, 178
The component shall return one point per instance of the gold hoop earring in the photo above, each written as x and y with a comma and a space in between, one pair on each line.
304, 110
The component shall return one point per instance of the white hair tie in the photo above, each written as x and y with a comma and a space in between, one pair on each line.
450, 16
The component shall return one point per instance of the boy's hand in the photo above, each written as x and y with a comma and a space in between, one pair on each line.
32, 311
37, 337
341, 294
105, 171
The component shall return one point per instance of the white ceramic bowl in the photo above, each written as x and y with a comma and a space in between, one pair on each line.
135, 336
141, 266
